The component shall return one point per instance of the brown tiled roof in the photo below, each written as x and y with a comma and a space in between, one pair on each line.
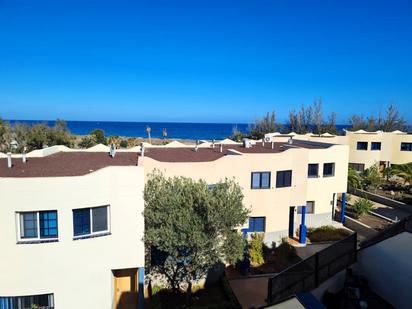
186, 154
66, 164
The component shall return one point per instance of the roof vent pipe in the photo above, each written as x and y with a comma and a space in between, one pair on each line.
290, 141
23, 157
142, 150
273, 145
112, 150
196, 147
263, 142
213, 143
9, 163
221, 147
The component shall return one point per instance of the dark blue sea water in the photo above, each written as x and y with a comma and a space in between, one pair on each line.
178, 130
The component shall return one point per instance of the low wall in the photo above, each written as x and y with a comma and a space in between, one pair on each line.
382, 200
359, 227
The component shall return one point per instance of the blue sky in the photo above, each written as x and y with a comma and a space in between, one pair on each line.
202, 61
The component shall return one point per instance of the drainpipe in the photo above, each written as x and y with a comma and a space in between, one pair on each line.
342, 212
302, 227
141, 287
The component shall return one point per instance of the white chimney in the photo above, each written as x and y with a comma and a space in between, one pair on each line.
247, 143
273, 145
196, 147
221, 147
9, 163
112, 150
213, 143
290, 141
263, 142
142, 150
24, 158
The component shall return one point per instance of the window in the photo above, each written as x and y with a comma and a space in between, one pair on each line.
38, 225
256, 224
91, 221
310, 207
313, 170
45, 301
260, 180
362, 146
360, 167
328, 169
283, 179
376, 146
406, 146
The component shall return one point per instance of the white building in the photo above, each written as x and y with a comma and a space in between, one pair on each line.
72, 231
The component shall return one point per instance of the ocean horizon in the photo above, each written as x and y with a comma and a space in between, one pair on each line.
175, 130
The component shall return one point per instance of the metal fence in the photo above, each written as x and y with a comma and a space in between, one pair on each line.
311, 272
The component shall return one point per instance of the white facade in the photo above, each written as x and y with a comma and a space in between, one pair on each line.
78, 272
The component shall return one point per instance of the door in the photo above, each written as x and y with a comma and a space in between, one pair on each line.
125, 288
291, 221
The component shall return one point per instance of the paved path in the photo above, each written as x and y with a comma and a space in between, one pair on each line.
386, 211
251, 292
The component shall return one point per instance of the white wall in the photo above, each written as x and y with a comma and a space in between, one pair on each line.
79, 273
387, 267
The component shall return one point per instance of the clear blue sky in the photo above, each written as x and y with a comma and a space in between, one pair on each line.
202, 61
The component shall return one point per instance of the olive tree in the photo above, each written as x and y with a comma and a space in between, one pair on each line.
191, 226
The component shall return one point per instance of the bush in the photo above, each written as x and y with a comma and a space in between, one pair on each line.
87, 141
99, 136
326, 233
361, 206
256, 249
124, 143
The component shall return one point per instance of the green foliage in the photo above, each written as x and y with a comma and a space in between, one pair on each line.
99, 136
265, 125
404, 171
192, 225
256, 249
390, 122
237, 135
371, 177
354, 179
87, 141
361, 206
326, 233
124, 143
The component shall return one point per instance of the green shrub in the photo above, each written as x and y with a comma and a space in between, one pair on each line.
124, 143
326, 233
87, 141
256, 249
361, 206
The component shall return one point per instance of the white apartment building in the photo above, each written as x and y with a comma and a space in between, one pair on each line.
71, 231
365, 148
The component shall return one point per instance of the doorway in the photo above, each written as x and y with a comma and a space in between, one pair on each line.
291, 221
125, 288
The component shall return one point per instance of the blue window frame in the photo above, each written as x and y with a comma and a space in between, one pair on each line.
34, 301
81, 221
283, 179
257, 224
375, 145
406, 146
260, 180
362, 146
48, 224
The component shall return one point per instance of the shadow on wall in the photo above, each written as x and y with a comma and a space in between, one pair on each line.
128, 300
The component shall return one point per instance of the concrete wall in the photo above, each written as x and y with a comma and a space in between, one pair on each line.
78, 272
272, 203
387, 266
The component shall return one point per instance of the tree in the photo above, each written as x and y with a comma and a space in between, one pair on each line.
37, 138
371, 177
354, 179
404, 171
393, 120
59, 134
192, 227
265, 125
361, 206
99, 136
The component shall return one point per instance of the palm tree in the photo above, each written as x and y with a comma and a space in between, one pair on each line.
354, 179
404, 171
148, 130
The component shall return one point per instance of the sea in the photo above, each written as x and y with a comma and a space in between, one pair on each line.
175, 130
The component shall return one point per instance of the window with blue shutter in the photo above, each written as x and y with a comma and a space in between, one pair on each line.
256, 224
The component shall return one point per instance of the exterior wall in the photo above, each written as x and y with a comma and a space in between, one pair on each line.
386, 266
78, 272
401, 157
271, 203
